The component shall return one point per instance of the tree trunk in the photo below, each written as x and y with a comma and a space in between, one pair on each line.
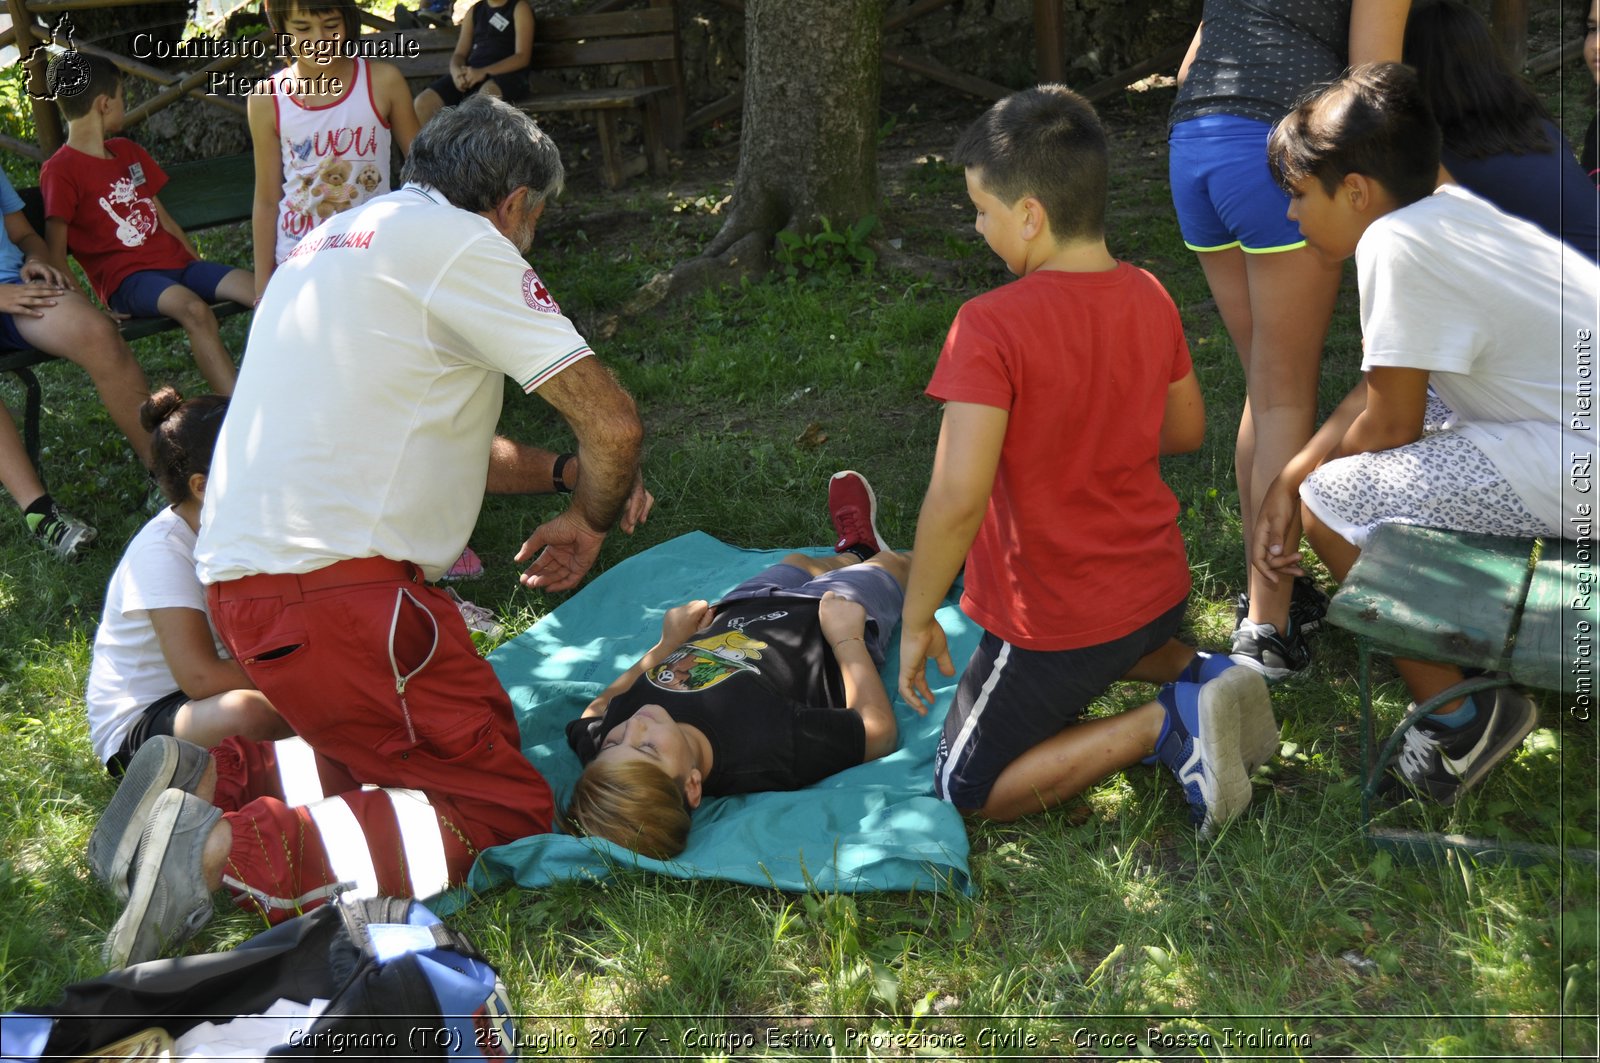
808, 144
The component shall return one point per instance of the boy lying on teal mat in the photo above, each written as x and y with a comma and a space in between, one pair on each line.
773, 688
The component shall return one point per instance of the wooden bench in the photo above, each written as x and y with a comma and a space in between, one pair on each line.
199, 195
1504, 606
644, 41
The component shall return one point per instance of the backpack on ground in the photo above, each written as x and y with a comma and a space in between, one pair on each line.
398, 982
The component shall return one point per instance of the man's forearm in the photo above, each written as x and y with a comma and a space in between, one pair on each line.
520, 469
610, 456
606, 424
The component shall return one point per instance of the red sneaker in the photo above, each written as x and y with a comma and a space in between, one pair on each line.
854, 511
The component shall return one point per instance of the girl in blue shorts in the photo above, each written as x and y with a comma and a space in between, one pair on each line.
1250, 61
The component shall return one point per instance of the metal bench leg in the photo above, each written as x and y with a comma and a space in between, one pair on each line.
1433, 844
33, 404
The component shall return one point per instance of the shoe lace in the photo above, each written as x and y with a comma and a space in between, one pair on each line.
852, 522
1419, 755
54, 528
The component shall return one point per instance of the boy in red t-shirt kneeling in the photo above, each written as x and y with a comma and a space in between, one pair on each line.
1062, 391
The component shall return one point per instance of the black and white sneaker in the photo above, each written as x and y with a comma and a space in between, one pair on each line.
1260, 647
1308, 606
61, 533
1442, 763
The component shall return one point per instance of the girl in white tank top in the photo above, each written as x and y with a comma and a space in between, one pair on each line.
334, 155
322, 127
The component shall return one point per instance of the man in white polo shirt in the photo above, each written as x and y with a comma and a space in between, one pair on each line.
348, 474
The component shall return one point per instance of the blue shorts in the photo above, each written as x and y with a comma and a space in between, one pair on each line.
1223, 191
1012, 699
869, 586
10, 338
138, 293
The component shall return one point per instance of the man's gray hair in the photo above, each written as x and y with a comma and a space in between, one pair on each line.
481, 151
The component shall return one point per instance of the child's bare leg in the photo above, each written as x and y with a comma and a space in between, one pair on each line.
1164, 665
17, 474
897, 565
1071, 761
1230, 288
239, 286
246, 713
73, 329
205, 336
427, 104
1292, 294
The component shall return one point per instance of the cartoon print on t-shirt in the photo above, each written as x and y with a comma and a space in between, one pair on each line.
369, 178
334, 187
135, 216
301, 202
706, 662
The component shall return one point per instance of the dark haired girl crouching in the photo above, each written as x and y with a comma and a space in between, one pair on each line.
158, 668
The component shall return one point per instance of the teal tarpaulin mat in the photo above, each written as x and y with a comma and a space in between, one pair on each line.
874, 827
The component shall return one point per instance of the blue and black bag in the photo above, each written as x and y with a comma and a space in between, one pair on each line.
399, 983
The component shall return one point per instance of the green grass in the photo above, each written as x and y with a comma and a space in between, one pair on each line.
1105, 926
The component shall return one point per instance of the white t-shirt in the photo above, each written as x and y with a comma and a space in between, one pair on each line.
128, 671
370, 390
1489, 305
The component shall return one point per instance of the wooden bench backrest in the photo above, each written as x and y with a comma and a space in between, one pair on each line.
645, 36
199, 195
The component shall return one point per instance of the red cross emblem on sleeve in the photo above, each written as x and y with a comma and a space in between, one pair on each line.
536, 295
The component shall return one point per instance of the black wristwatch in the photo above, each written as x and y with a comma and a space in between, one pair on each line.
558, 473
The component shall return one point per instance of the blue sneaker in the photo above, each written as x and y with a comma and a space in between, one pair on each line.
1200, 743
1259, 738
1205, 667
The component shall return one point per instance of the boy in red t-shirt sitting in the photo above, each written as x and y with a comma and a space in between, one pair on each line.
1062, 390
100, 203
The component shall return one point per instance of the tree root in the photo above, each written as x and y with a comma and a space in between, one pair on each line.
746, 257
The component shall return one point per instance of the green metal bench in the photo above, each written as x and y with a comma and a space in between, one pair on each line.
1501, 605
199, 195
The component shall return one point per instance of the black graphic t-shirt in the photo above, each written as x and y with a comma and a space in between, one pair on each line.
761, 683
